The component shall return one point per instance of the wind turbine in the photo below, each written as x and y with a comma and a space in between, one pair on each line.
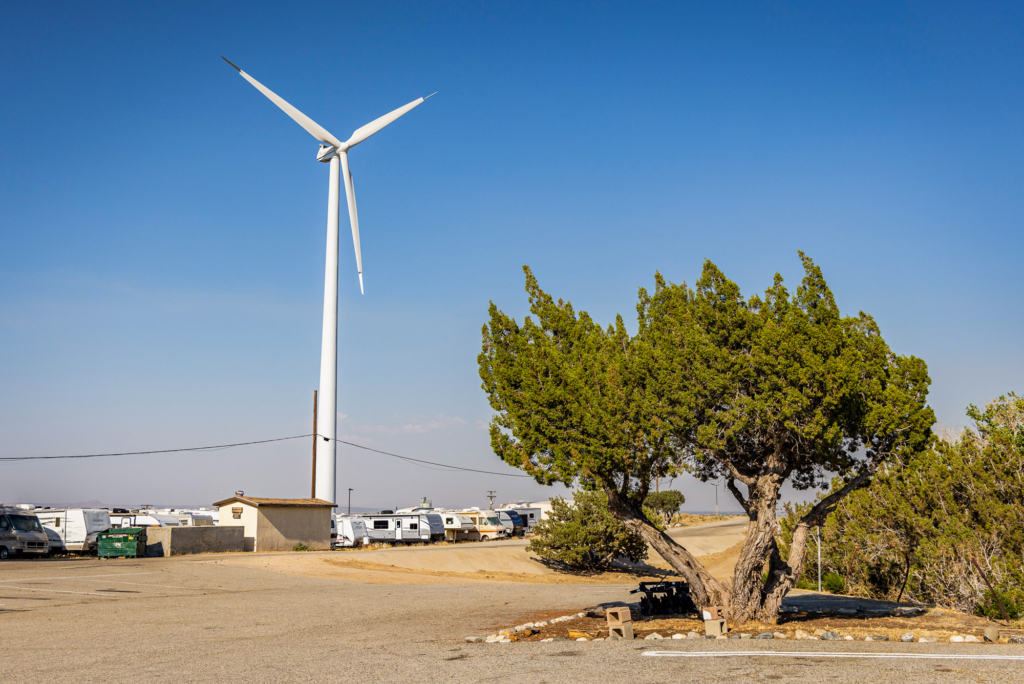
334, 152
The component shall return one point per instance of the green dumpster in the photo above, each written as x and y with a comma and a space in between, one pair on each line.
127, 542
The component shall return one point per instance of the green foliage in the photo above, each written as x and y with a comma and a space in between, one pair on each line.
925, 525
665, 503
301, 547
584, 534
1012, 600
833, 583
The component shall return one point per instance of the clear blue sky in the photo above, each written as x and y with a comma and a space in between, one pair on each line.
162, 223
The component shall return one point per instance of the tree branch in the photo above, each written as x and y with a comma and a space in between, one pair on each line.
730, 483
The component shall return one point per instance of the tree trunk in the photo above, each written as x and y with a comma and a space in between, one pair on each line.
705, 590
748, 589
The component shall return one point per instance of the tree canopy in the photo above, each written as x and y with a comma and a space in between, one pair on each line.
753, 391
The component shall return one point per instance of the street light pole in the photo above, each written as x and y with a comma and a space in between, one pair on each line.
716, 498
350, 501
819, 558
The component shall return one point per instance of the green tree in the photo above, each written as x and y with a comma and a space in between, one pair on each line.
940, 526
755, 392
584, 534
665, 503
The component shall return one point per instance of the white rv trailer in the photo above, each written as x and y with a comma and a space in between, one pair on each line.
403, 528
143, 519
486, 524
349, 531
73, 529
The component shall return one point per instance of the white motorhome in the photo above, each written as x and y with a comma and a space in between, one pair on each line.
349, 531
73, 529
486, 524
403, 528
21, 533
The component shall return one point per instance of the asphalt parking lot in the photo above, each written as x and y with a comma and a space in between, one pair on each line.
207, 618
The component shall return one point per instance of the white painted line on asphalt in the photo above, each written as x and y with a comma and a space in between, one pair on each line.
139, 584
39, 579
58, 591
812, 654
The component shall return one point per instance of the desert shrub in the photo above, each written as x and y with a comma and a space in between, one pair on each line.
301, 547
833, 583
1013, 602
584, 534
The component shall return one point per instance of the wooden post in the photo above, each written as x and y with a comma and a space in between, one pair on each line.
313, 489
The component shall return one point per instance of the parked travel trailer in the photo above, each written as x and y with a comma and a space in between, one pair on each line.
513, 524
458, 527
21, 533
486, 524
530, 515
349, 531
403, 527
73, 529
143, 519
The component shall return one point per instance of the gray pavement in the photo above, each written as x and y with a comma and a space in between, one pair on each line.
194, 619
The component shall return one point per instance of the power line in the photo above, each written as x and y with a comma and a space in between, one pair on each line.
417, 460
155, 451
262, 441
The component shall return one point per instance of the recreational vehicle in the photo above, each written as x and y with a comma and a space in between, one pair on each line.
404, 527
143, 519
486, 523
349, 531
458, 527
513, 524
530, 515
73, 529
21, 533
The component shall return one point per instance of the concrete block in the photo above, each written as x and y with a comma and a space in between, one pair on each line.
621, 631
714, 613
618, 616
992, 634
715, 627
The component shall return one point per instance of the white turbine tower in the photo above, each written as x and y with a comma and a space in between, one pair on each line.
335, 152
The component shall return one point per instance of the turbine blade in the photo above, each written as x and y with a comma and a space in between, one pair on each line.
353, 216
369, 129
312, 127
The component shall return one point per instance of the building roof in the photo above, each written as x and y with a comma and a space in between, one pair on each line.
263, 501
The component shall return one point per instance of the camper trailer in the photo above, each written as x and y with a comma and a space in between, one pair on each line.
143, 519
349, 531
458, 527
404, 528
531, 515
21, 533
73, 529
513, 524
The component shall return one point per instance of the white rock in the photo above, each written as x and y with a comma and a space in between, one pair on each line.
868, 639
505, 640
927, 640
473, 639
971, 639
583, 639
779, 635
653, 637
957, 639
721, 636
548, 640
491, 639
848, 638
678, 636
692, 635
598, 639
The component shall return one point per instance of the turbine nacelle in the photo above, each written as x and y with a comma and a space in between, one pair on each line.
326, 153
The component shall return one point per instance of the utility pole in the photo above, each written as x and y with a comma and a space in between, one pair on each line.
313, 490
716, 497
491, 495
350, 501
819, 558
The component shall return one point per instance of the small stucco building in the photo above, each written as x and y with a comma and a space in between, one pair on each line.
278, 524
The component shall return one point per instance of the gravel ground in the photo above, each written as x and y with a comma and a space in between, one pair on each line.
198, 619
